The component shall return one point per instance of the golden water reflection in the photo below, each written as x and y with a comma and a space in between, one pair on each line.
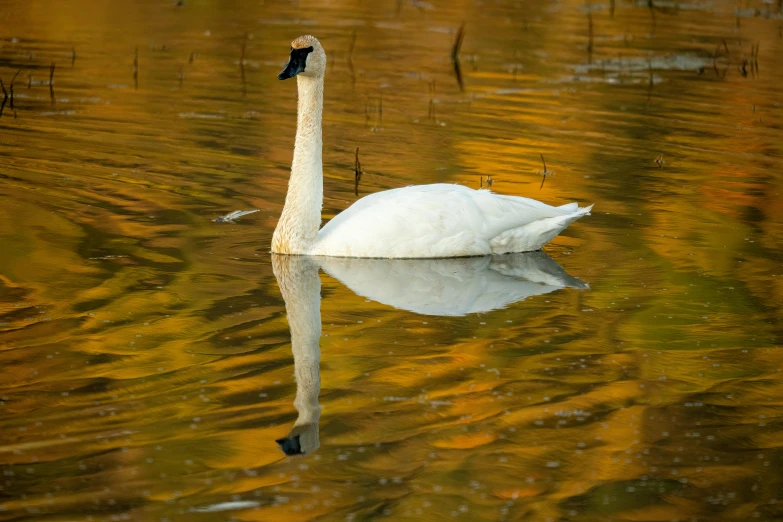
145, 349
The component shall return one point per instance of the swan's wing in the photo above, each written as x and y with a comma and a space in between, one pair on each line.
450, 287
420, 221
440, 220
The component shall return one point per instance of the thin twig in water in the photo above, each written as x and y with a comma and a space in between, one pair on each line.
5, 97
432, 100
51, 82
352, 44
242, 52
357, 173
136, 69
11, 88
650, 87
242, 65
455, 49
589, 33
651, 5
754, 54
545, 172
350, 57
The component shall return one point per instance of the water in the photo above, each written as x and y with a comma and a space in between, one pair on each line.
146, 353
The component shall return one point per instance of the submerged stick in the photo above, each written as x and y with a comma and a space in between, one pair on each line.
242, 65
545, 172
455, 49
5, 97
650, 86
431, 113
589, 35
136, 69
357, 173
51, 82
350, 57
352, 45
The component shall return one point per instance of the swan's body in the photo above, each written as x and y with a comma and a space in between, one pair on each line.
426, 221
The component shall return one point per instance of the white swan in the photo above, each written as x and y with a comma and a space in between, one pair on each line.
426, 221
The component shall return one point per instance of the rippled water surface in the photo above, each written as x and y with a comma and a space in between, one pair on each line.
148, 352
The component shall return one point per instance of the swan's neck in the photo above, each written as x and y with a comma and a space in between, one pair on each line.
298, 226
300, 285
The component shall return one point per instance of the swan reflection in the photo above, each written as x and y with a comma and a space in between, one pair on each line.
449, 287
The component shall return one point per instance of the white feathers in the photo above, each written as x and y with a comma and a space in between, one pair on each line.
426, 221
232, 216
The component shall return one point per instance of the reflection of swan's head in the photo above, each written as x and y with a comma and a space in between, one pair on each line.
303, 440
307, 59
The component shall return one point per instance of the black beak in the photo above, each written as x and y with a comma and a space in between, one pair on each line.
290, 446
296, 63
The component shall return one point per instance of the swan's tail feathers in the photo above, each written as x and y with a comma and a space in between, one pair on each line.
574, 208
534, 235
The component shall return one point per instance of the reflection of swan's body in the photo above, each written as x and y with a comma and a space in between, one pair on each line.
427, 221
451, 286
425, 286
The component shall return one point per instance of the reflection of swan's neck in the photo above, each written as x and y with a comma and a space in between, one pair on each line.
301, 218
300, 285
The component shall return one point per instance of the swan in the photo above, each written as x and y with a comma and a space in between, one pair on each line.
425, 221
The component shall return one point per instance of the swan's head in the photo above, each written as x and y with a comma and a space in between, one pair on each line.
307, 59
303, 440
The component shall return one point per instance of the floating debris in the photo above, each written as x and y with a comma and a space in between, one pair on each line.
226, 506
231, 216
544, 172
